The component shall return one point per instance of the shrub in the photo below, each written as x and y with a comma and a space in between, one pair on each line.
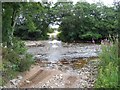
15, 60
18, 46
108, 69
25, 63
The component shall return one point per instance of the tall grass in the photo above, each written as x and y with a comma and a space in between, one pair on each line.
108, 69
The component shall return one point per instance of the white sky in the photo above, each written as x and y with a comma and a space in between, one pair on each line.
106, 2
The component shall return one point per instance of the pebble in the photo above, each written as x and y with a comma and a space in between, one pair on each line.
27, 81
86, 77
20, 77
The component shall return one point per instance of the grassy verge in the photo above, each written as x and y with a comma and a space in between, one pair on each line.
108, 69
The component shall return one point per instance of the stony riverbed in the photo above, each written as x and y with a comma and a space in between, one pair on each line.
43, 51
73, 66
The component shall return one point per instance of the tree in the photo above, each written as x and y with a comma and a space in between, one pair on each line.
10, 11
14, 55
35, 21
88, 21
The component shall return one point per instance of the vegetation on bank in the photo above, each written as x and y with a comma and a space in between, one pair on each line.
82, 21
108, 74
14, 61
14, 55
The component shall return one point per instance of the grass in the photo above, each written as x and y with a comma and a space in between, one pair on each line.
108, 69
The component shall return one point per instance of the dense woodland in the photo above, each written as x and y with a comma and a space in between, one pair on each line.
30, 21
82, 21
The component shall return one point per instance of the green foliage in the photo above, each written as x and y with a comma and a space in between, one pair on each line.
18, 46
30, 24
108, 71
34, 21
23, 33
14, 63
9, 13
25, 63
108, 77
91, 35
15, 60
82, 21
85, 21
50, 30
8, 73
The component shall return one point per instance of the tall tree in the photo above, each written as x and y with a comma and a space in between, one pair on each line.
9, 13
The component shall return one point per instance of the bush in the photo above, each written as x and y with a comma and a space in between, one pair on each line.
18, 46
25, 63
108, 69
15, 60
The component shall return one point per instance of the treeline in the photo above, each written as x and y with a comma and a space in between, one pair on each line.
88, 21
79, 22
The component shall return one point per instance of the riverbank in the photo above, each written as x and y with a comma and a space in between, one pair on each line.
76, 66
57, 76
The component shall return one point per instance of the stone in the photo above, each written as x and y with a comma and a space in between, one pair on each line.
19, 77
64, 61
27, 81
